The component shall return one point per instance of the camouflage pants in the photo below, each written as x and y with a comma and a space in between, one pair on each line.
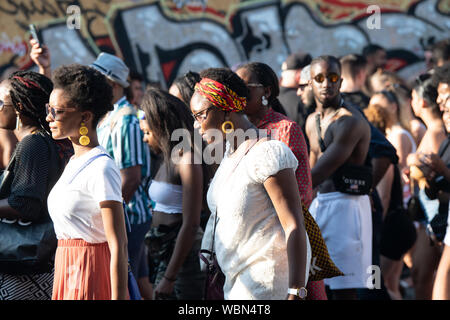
190, 279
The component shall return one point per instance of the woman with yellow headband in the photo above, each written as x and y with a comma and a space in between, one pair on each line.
259, 239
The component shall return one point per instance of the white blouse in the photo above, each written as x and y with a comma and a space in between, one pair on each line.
75, 207
250, 242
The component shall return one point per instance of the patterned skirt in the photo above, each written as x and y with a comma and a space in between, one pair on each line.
26, 287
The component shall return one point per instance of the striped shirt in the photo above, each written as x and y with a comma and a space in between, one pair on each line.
124, 143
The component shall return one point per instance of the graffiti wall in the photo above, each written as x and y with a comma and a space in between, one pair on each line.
163, 39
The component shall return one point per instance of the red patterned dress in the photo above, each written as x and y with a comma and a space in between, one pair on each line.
291, 134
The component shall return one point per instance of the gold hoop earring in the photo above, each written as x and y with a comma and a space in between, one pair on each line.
84, 139
230, 129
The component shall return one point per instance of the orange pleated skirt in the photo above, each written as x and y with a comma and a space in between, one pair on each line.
82, 271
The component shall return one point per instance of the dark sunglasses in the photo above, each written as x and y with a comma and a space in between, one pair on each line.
302, 86
332, 77
56, 113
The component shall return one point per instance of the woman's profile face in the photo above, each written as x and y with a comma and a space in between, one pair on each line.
149, 138
416, 103
64, 120
256, 91
208, 118
7, 112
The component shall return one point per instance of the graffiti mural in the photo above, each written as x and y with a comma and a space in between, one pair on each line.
163, 39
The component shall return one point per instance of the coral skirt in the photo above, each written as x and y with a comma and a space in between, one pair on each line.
82, 271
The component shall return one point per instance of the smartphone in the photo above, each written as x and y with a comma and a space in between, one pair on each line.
34, 33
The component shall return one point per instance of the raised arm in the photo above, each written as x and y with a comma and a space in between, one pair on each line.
40, 54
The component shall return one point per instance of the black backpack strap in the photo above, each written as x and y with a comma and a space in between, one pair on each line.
319, 133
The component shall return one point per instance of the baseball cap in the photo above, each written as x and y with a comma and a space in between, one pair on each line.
112, 67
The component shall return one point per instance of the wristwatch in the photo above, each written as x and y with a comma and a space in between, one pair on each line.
299, 292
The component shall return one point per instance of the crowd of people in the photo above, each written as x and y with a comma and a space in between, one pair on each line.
94, 150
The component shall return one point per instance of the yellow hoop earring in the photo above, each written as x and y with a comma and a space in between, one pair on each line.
84, 139
230, 129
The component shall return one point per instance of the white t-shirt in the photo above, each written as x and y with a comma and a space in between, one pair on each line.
75, 207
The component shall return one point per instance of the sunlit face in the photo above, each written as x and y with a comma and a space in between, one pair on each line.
416, 103
68, 118
325, 81
304, 91
256, 91
149, 137
443, 90
207, 116
446, 116
7, 112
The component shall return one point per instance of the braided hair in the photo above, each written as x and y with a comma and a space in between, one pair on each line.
32, 91
268, 78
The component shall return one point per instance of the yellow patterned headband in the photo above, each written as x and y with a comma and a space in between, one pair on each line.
220, 95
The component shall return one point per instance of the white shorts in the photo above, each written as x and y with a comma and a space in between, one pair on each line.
346, 225
447, 232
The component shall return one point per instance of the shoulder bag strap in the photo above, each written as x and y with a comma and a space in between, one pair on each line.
319, 133
86, 164
252, 143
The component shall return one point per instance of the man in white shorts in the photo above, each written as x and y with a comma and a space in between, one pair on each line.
339, 138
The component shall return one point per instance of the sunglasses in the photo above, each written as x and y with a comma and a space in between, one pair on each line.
56, 113
202, 114
332, 77
302, 86
3, 104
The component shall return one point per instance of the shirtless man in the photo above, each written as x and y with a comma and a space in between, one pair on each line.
344, 219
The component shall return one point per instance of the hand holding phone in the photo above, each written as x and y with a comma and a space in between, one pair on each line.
36, 36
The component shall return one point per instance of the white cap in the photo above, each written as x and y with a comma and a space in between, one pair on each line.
112, 67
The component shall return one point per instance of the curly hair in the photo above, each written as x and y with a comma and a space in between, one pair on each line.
32, 91
86, 88
442, 75
377, 115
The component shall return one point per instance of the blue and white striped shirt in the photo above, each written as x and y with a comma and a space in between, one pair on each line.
124, 143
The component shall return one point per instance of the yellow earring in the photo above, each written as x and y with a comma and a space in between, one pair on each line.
230, 129
84, 139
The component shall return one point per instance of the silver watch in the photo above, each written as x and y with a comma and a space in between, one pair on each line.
299, 292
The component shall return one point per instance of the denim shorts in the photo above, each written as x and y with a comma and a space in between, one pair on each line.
137, 252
